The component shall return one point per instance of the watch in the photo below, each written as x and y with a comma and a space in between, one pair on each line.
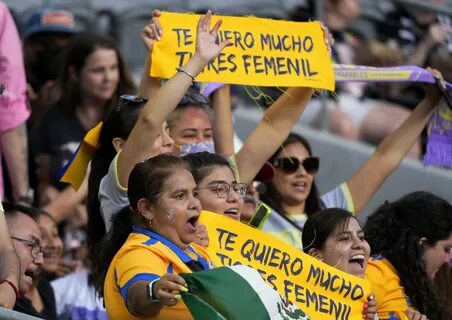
151, 291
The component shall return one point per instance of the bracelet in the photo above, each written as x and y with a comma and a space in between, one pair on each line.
150, 288
181, 69
16, 291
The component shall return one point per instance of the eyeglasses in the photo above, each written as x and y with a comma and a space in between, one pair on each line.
194, 97
129, 98
291, 164
223, 189
35, 246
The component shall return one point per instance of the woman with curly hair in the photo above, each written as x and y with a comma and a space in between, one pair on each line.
411, 239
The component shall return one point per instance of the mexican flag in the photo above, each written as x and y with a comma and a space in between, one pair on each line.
233, 293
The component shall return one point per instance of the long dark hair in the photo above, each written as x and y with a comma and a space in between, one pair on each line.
443, 285
145, 181
395, 230
80, 47
321, 225
273, 198
118, 124
202, 163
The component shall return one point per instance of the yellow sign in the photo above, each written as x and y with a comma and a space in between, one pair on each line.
264, 52
321, 291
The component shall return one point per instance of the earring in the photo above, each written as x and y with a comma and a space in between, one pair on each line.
170, 215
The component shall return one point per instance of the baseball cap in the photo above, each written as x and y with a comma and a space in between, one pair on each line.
50, 20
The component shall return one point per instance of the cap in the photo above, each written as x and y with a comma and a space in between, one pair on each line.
266, 173
50, 20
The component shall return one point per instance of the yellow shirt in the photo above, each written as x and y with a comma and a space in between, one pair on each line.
147, 256
392, 303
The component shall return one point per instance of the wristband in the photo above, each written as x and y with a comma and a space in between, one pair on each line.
16, 291
181, 69
151, 292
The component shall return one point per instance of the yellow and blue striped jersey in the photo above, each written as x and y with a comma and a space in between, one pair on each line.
392, 303
147, 256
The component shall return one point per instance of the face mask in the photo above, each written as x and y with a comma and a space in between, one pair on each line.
197, 147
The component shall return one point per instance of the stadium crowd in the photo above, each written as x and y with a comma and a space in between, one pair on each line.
113, 247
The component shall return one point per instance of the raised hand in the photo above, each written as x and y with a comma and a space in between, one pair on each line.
432, 92
327, 36
206, 48
152, 31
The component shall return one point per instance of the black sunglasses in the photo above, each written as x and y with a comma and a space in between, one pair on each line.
291, 164
129, 99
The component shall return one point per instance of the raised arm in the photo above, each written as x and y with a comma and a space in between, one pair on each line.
271, 131
155, 112
223, 128
274, 127
391, 151
66, 202
148, 85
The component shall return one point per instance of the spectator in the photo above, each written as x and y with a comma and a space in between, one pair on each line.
218, 189
411, 239
92, 78
47, 32
292, 191
375, 119
165, 212
9, 271
14, 110
418, 35
76, 298
52, 247
37, 295
334, 236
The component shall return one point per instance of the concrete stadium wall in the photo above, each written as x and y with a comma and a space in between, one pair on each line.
340, 158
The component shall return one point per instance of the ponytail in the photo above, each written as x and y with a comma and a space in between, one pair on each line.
106, 249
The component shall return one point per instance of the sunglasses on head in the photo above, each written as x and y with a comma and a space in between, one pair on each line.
194, 98
129, 99
291, 164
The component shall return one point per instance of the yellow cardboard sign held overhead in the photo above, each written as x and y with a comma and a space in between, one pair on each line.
264, 52
321, 291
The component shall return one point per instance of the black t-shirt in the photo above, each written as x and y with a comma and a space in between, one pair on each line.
400, 30
48, 299
58, 135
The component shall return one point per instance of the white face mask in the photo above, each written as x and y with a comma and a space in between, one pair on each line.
197, 147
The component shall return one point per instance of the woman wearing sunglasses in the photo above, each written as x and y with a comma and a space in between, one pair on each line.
292, 192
